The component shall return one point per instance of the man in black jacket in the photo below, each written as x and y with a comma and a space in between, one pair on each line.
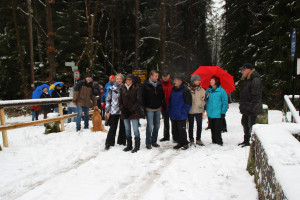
153, 100
250, 100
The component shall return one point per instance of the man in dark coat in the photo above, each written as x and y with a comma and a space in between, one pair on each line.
167, 87
153, 99
179, 106
57, 93
250, 100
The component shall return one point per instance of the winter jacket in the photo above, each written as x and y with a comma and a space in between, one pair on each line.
35, 108
167, 87
112, 100
84, 95
153, 97
56, 94
130, 100
180, 103
198, 100
251, 93
46, 107
217, 102
105, 91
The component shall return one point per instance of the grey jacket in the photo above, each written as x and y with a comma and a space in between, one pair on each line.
112, 100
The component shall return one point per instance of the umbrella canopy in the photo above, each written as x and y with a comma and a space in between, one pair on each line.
52, 87
206, 72
38, 91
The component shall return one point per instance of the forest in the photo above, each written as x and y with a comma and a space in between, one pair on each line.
106, 37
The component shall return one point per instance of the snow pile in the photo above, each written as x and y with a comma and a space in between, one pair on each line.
283, 152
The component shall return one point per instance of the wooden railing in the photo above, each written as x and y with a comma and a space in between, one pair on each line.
288, 106
30, 102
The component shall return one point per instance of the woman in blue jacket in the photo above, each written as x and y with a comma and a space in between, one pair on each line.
216, 108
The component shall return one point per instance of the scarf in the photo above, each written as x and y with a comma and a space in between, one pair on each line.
152, 83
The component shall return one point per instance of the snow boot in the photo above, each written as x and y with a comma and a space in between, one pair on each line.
185, 147
199, 142
192, 143
137, 144
129, 145
178, 146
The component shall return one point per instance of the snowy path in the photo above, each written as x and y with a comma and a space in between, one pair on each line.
74, 166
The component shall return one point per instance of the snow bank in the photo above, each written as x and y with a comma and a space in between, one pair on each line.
277, 160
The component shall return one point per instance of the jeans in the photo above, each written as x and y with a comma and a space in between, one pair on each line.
153, 123
198, 117
135, 126
35, 115
70, 111
85, 110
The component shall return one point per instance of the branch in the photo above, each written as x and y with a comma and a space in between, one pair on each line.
42, 3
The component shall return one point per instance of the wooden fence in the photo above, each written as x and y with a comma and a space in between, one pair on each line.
30, 102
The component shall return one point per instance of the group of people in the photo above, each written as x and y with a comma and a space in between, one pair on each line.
126, 100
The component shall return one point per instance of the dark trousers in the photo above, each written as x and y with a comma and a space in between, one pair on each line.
111, 135
179, 131
216, 125
166, 126
248, 121
191, 118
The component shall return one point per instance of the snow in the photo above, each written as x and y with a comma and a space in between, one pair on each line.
283, 152
291, 107
70, 165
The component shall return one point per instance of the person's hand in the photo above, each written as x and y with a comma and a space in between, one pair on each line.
107, 115
126, 113
223, 116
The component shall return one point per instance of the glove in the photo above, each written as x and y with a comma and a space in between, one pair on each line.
223, 116
126, 113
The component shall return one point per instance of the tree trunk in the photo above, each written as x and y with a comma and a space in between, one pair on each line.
118, 39
137, 34
51, 51
162, 34
112, 36
20, 52
30, 43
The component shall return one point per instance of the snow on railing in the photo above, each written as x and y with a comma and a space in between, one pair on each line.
289, 105
31, 102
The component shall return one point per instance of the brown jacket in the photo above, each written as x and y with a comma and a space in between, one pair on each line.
198, 102
131, 100
84, 95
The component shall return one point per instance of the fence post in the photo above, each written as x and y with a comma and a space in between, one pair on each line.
4, 133
62, 122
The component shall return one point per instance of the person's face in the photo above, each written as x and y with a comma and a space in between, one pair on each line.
197, 82
165, 78
212, 82
111, 80
45, 90
177, 82
128, 81
88, 79
154, 77
245, 72
119, 80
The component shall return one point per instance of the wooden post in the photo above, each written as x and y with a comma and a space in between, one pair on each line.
4, 133
62, 122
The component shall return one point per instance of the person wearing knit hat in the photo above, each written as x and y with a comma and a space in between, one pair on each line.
198, 102
104, 95
178, 108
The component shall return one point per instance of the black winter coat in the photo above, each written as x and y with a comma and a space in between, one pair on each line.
46, 108
130, 100
153, 97
250, 95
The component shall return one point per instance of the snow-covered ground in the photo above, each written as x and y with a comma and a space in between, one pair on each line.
69, 165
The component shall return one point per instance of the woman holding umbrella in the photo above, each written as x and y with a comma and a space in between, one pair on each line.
216, 108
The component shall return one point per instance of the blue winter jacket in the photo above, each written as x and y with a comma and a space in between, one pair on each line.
216, 103
180, 103
105, 91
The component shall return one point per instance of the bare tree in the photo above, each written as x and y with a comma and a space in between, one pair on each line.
137, 33
30, 43
162, 34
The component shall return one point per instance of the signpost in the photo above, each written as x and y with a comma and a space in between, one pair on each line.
74, 70
140, 73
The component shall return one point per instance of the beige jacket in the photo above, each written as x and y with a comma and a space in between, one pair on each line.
198, 102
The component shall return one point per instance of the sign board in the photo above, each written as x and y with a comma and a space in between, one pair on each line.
293, 43
70, 64
74, 68
298, 66
140, 73
76, 75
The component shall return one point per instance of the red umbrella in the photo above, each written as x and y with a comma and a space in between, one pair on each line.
206, 72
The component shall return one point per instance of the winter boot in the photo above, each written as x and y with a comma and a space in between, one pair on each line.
199, 142
192, 143
129, 145
178, 146
137, 144
185, 147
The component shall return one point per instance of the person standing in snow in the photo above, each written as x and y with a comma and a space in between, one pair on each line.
71, 107
114, 112
110, 83
167, 84
216, 108
46, 108
83, 98
153, 100
130, 101
56, 94
179, 106
250, 100
198, 102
